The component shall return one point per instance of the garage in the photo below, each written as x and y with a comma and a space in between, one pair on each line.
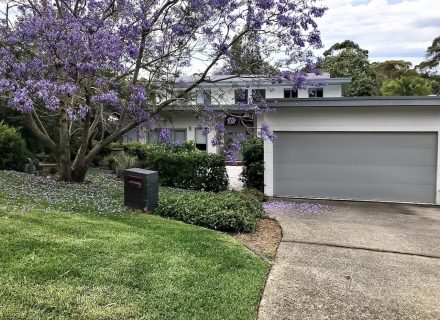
383, 166
354, 148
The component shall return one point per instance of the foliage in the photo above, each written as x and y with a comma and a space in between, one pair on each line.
253, 164
432, 56
183, 167
406, 86
347, 59
71, 251
257, 194
12, 149
245, 58
120, 162
77, 66
226, 211
431, 66
393, 69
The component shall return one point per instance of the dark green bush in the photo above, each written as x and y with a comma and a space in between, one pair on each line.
12, 149
253, 164
184, 167
226, 211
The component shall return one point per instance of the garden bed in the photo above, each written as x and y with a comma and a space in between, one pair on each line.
265, 240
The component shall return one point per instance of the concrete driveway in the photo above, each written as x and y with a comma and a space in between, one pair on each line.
354, 260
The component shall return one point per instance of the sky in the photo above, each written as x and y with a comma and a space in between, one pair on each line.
388, 29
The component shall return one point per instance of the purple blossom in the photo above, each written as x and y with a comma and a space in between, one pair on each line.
266, 133
231, 120
110, 98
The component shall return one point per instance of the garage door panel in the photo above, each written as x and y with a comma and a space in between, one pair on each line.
367, 156
348, 173
391, 166
363, 139
332, 190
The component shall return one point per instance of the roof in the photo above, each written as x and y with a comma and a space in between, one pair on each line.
254, 80
356, 102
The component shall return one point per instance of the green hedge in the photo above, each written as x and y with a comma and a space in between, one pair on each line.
12, 149
253, 164
184, 167
229, 211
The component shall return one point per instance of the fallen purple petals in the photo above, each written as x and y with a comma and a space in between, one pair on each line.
24, 192
296, 207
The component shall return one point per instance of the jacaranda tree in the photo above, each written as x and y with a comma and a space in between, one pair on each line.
89, 66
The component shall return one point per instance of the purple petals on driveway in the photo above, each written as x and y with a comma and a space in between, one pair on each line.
293, 207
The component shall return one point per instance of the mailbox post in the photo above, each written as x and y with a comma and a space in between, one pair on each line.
141, 189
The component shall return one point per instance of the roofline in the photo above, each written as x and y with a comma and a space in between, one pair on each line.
264, 82
356, 102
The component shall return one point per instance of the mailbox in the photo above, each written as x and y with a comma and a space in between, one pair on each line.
141, 189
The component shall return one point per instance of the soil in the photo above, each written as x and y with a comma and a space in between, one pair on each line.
264, 241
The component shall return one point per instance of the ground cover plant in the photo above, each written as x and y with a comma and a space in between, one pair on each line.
70, 251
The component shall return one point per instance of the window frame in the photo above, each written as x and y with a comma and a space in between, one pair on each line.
241, 100
319, 92
291, 96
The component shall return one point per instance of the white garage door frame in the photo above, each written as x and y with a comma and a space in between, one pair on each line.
402, 119
312, 189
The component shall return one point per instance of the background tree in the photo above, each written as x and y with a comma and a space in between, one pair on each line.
393, 69
245, 58
430, 68
406, 86
88, 66
347, 59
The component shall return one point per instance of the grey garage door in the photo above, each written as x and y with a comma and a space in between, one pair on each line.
389, 166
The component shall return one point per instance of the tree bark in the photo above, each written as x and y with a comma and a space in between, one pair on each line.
64, 162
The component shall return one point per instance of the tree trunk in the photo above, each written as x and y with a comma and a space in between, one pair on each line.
64, 162
80, 171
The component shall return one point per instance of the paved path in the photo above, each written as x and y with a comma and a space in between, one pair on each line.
353, 260
234, 177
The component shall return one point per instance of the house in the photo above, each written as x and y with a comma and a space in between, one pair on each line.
226, 91
329, 146
363, 148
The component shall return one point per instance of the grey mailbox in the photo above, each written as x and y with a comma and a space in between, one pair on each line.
141, 189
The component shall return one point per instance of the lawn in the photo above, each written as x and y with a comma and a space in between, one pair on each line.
72, 252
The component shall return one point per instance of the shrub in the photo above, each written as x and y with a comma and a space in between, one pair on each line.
184, 167
257, 194
225, 211
12, 149
253, 164
118, 163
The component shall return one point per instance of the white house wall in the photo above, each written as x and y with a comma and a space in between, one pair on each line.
368, 119
226, 95
333, 91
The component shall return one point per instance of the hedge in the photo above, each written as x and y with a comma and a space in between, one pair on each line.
12, 149
253, 164
229, 211
184, 167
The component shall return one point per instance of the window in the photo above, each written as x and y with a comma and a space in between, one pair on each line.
179, 135
204, 97
201, 140
258, 95
316, 93
153, 136
241, 96
290, 93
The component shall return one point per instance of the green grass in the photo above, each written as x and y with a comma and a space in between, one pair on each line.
72, 252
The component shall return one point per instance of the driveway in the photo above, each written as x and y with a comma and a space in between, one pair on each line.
354, 260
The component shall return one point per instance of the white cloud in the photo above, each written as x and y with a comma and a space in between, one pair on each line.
390, 29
